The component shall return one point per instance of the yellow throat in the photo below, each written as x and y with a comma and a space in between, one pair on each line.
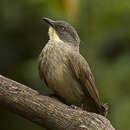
53, 35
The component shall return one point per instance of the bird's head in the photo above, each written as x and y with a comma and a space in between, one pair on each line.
62, 31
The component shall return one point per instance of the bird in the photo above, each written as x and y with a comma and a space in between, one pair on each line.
65, 71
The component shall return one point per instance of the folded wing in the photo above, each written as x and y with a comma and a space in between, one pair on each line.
83, 74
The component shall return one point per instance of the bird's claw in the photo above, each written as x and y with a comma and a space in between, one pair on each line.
75, 107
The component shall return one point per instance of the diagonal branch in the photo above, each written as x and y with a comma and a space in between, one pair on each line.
45, 111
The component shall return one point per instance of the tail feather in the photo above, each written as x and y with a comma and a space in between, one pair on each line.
99, 109
103, 110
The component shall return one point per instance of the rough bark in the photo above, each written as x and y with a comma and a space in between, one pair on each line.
45, 111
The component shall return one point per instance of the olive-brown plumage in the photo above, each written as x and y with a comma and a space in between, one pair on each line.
65, 71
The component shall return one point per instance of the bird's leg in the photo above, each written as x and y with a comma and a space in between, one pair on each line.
54, 95
75, 107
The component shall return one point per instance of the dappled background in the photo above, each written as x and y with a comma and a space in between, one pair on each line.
103, 27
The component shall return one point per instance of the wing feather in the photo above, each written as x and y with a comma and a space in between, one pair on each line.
83, 74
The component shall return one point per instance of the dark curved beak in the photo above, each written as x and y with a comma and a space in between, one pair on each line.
49, 21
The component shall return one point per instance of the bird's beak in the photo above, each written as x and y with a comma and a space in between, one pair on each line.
49, 21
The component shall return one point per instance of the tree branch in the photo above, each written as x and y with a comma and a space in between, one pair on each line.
46, 111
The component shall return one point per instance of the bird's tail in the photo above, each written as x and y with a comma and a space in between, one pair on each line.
99, 109
103, 109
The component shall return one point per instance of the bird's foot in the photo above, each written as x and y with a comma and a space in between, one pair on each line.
75, 107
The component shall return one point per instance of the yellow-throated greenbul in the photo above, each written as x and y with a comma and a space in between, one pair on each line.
65, 71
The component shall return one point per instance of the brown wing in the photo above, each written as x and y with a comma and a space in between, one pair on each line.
81, 70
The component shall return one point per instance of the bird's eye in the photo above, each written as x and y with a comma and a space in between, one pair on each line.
63, 28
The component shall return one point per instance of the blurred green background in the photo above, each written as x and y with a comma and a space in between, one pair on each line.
103, 27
